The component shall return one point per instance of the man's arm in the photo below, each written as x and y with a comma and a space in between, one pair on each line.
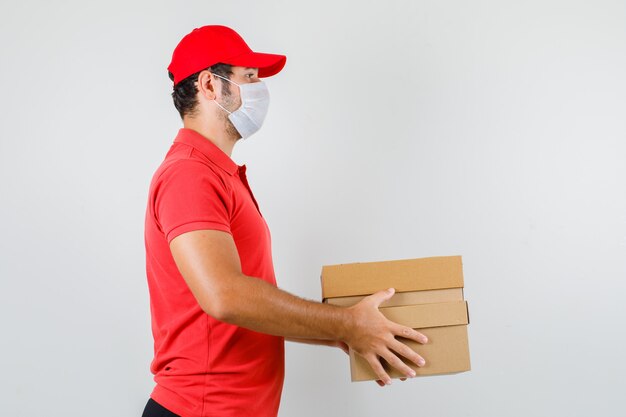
209, 263
331, 343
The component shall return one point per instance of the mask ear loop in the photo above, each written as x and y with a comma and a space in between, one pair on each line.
224, 78
232, 82
222, 107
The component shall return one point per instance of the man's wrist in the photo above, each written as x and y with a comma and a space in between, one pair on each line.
344, 324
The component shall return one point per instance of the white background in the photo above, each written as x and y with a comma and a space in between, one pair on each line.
494, 130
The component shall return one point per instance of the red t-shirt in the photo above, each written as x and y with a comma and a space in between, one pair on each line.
204, 367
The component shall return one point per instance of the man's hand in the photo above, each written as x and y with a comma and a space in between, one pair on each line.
373, 336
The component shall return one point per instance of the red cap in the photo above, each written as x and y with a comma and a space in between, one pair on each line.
210, 45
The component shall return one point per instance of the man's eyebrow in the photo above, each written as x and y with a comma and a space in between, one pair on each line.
250, 68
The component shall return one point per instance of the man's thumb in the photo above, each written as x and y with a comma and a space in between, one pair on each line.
381, 296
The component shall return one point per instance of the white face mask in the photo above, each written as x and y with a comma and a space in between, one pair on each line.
255, 101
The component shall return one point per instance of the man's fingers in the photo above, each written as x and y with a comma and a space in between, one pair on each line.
402, 349
380, 383
397, 363
378, 369
381, 296
409, 333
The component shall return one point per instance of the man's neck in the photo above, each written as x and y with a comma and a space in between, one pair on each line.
217, 136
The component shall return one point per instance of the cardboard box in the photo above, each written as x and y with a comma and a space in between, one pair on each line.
429, 298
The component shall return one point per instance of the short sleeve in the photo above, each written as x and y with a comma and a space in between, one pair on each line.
191, 196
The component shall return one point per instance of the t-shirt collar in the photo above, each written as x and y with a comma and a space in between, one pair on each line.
207, 148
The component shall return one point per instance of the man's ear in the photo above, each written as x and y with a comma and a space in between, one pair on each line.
206, 85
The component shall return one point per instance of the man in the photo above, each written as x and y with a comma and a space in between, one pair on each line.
218, 320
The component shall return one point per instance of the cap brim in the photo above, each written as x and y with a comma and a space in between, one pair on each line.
268, 64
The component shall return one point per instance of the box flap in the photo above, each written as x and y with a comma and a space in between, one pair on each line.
406, 298
403, 275
420, 316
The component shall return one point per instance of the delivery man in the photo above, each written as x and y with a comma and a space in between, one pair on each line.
218, 319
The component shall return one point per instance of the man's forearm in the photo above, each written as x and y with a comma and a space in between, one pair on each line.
255, 304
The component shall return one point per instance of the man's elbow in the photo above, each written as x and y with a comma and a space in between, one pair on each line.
221, 306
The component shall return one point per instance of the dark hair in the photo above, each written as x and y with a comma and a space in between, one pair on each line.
185, 92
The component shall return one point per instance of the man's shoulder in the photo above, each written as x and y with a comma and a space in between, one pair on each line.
189, 170
177, 163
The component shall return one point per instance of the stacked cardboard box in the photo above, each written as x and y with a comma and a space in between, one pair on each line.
429, 298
